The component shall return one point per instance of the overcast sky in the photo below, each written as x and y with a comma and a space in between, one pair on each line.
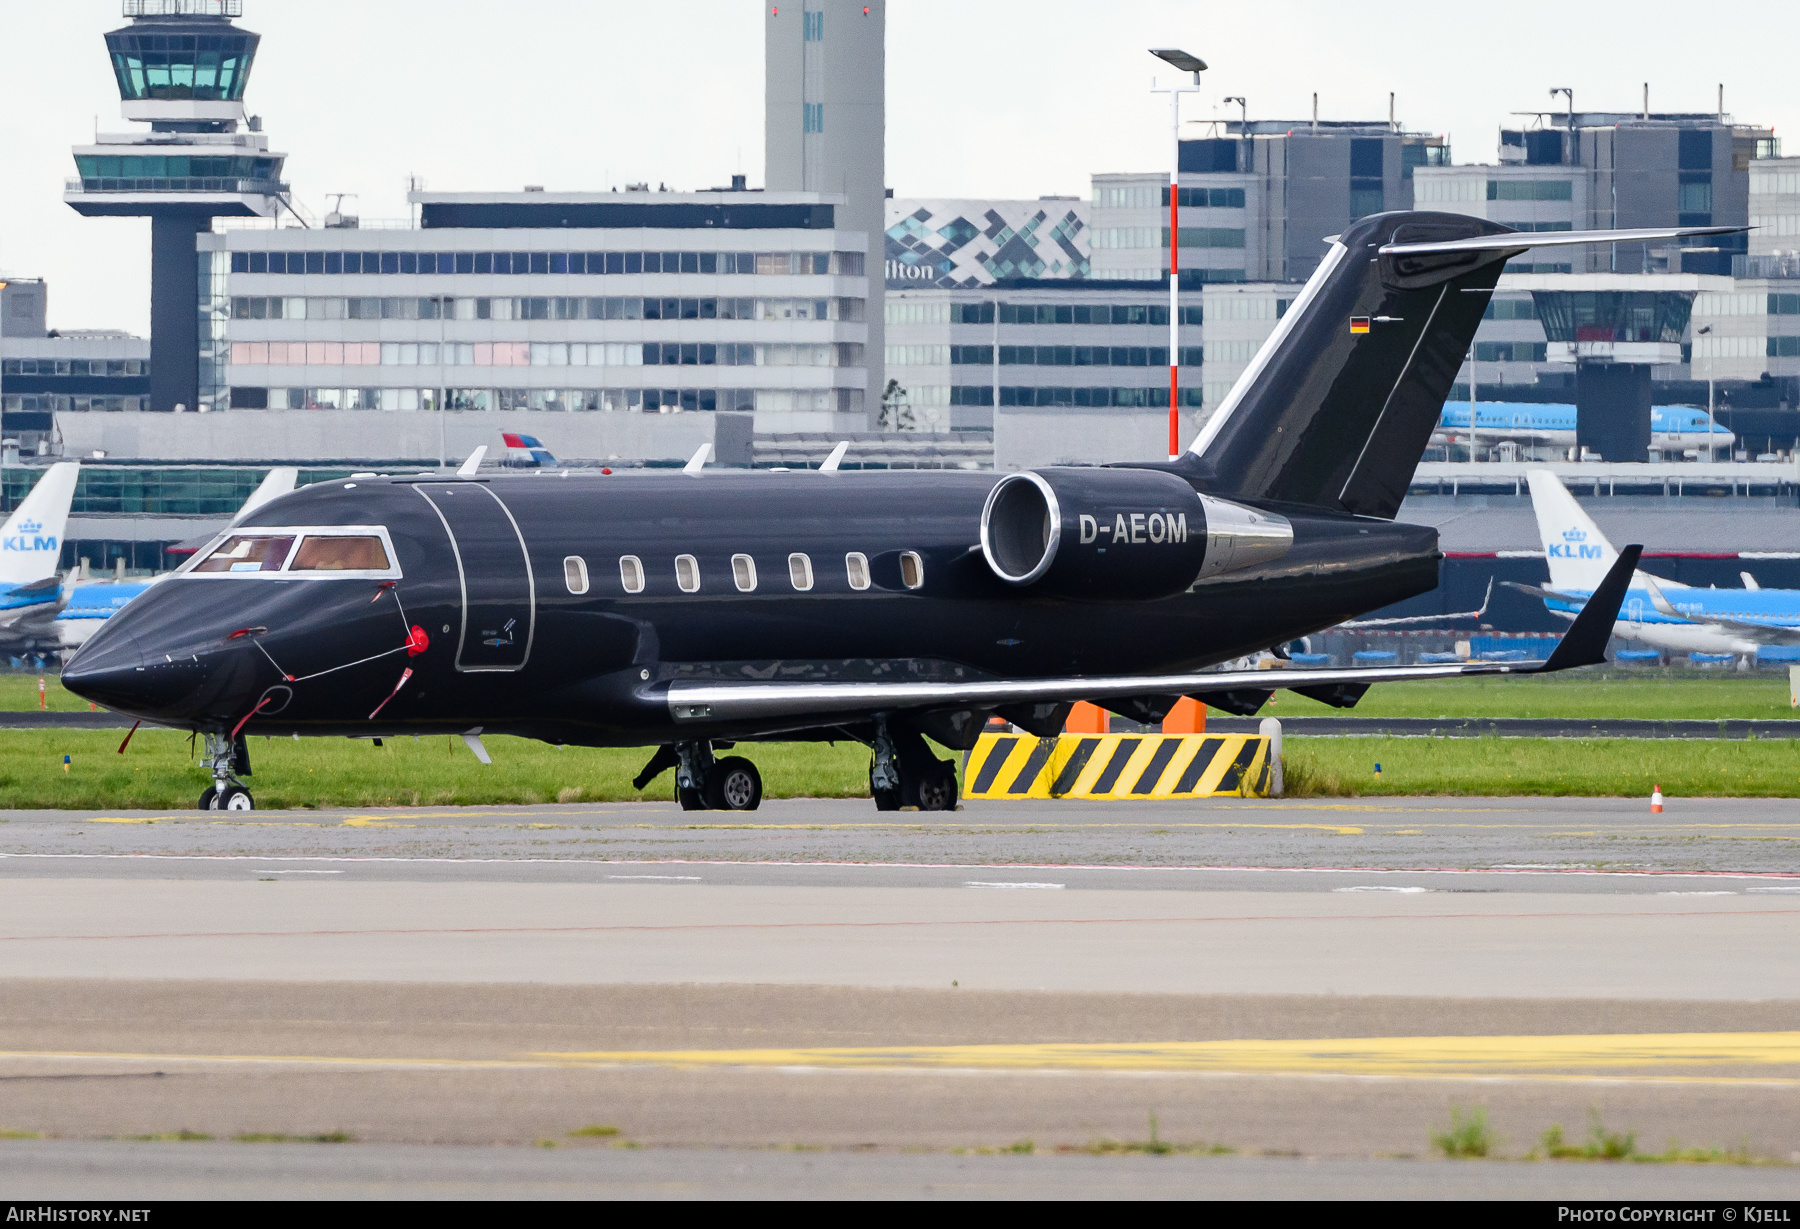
984, 98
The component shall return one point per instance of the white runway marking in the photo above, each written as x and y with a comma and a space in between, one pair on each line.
1411, 891
977, 883
680, 878
266, 871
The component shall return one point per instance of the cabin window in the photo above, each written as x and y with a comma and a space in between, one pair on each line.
743, 571
248, 553
857, 565
800, 572
575, 574
340, 554
631, 573
912, 570
687, 573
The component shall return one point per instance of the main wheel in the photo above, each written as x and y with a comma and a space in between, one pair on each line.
734, 785
885, 799
937, 790
235, 798
690, 799
206, 799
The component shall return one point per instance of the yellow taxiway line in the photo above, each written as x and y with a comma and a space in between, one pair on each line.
1348, 1056
1649, 1058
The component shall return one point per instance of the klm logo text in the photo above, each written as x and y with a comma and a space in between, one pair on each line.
28, 542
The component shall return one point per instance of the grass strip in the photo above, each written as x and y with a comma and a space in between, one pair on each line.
157, 772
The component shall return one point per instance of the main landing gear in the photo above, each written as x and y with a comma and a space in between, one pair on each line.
703, 783
904, 772
226, 759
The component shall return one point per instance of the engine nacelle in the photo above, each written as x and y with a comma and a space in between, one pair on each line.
1119, 533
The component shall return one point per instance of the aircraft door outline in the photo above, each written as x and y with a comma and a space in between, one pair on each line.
498, 590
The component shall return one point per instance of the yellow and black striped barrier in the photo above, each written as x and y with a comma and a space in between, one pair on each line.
1118, 766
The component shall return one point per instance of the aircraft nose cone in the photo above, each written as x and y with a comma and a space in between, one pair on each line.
112, 670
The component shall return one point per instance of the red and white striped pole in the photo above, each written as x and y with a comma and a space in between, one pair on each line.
1187, 63
1175, 274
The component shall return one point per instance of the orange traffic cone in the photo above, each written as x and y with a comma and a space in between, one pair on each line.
1656, 800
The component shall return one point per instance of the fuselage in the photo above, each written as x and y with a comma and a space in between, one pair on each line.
1671, 426
1640, 620
626, 582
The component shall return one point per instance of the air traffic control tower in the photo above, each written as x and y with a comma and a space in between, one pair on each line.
181, 67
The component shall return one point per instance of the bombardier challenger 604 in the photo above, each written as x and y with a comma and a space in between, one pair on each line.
690, 612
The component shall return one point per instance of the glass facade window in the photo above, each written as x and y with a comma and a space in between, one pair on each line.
1509, 351
1088, 397
1208, 198
1530, 190
1209, 236
160, 62
841, 264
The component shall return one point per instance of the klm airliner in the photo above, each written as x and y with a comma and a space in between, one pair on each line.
1662, 613
1673, 428
30, 549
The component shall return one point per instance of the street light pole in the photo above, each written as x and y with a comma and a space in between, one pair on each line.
1191, 64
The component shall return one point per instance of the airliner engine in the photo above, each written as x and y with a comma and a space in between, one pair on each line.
1113, 533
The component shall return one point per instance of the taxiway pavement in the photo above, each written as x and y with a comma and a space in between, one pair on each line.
1262, 976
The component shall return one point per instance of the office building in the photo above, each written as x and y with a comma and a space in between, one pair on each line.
43, 371
181, 67
1597, 170
961, 359
825, 125
649, 302
1257, 203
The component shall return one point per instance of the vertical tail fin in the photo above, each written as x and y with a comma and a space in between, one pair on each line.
276, 483
1339, 403
31, 542
1579, 554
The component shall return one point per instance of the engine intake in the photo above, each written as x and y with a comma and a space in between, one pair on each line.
1119, 533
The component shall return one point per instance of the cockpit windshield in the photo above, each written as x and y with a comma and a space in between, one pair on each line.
248, 553
336, 551
340, 554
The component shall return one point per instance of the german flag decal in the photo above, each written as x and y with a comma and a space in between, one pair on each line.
1359, 324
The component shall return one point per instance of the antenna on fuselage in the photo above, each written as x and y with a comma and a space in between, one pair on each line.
836, 458
467, 468
696, 462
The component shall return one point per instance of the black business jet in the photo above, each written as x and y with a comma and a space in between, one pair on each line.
693, 611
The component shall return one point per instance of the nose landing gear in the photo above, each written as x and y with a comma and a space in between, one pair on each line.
226, 759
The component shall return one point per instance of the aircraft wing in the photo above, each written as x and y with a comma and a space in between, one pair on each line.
1583, 645
1356, 624
1765, 633
1548, 595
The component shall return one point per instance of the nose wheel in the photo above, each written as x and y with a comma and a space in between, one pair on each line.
226, 759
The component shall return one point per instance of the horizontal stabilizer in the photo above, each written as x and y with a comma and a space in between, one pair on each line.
1522, 240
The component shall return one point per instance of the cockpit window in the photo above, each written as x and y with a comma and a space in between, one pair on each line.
340, 554
346, 552
248, 553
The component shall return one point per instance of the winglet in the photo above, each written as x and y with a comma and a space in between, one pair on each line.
467, 468
698, 461
836, 458
1584, 644
1663, 606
